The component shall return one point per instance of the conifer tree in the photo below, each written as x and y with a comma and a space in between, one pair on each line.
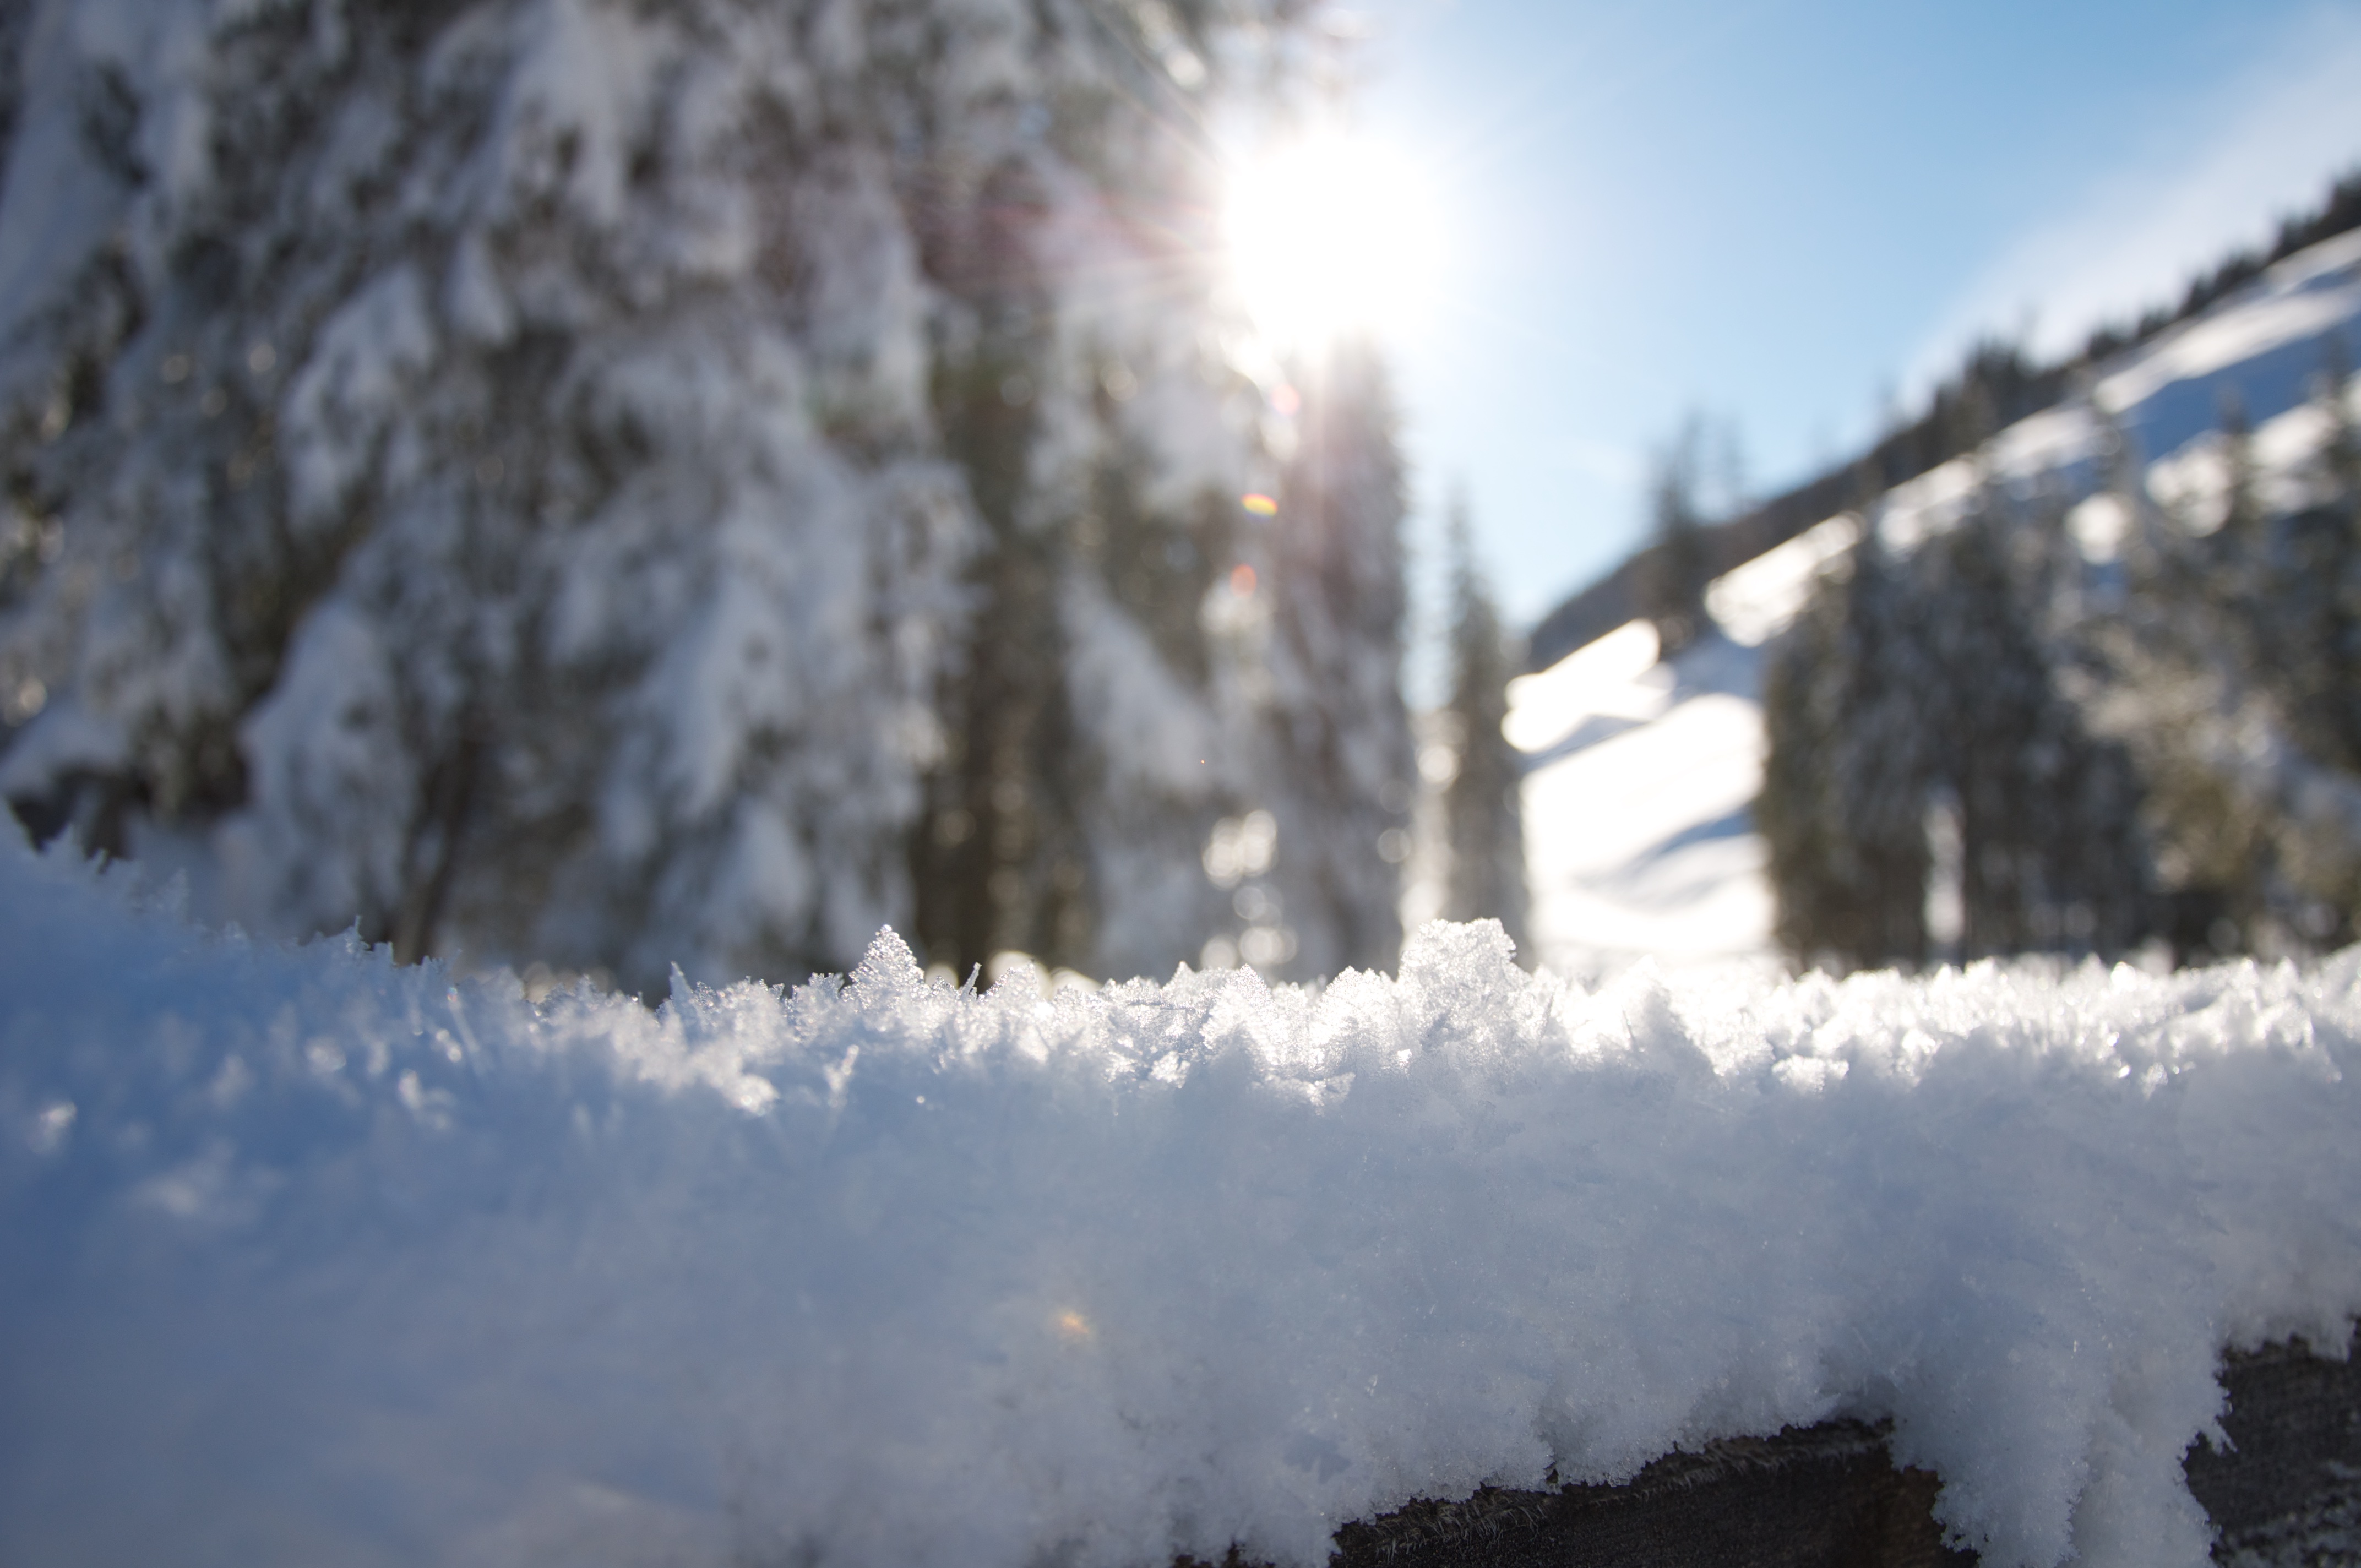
2183, 673
1482, 804
2324, 695
2315, 588
1147, 613
2231, 686
998, 862
1933, 679
1853, 752
2051, 858
2309, 621
2238, 553
1679, 563
1800, 838
1339, 756
599, 483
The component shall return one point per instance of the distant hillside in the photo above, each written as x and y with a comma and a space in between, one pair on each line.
1645, 777
1996, 386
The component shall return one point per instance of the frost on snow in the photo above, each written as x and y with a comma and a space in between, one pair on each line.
309, 1257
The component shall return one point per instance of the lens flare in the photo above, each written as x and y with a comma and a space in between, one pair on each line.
1258, 504
1330, 235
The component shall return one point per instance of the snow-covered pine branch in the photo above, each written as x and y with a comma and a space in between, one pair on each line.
613, 485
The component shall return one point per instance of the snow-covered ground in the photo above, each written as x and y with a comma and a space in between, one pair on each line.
1637, 836
308, 1258
1639, 843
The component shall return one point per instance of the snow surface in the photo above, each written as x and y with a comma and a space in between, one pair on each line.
305, 1257
1641, 776
1641, 847
1755, 602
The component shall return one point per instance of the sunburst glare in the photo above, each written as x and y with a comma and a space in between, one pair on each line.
1330, 234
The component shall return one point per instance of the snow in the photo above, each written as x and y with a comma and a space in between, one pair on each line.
2194, 482
2264, 347
309, 1257
1637, 841
2099, 525
64, 737
2310, 293
342, 401
1638, 844
561, 402
1616, 677
1755, 602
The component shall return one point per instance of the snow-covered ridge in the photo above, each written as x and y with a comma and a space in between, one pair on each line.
1641, 774
2264, 347
311, 1258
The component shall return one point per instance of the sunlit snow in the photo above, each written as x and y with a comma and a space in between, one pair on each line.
308, 1258
1638, 840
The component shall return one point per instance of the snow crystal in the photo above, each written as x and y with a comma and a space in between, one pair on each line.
312, 1259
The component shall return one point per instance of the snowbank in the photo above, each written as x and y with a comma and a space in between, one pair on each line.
1639, 843
307, 1258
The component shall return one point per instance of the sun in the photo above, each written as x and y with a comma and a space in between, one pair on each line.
1328, 235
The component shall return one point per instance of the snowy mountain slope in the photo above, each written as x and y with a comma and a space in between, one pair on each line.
1636, 794
1636, 836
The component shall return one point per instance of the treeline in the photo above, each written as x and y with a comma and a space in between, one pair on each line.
1993, 744
1997, 384
2338, 214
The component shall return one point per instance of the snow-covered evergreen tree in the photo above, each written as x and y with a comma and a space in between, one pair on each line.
1799, 716
2233, 670
2317, 662
1854, 749
1340, 758
2314, 625
1674, 570
1925, 697
1482, 804
2051, 859
2182, 686
605, 483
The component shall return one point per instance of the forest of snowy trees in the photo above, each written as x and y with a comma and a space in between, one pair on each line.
2002, 739
606, 486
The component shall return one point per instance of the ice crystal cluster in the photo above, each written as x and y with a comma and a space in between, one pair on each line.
306, 1257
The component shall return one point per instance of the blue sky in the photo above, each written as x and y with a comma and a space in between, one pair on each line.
1783, 214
